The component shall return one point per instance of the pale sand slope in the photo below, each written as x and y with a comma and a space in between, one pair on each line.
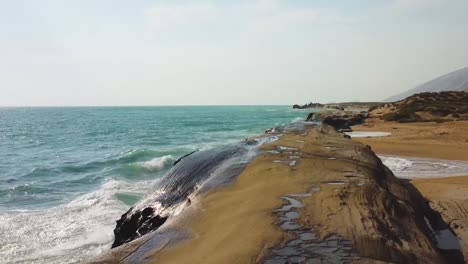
372, 209
449, 196
431, 140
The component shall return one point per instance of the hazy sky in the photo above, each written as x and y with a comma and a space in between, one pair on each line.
120, 52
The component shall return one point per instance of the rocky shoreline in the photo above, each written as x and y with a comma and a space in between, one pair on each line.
313, 196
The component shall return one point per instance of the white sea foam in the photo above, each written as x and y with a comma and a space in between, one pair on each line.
268, 139
72, 233
158, 163
396, 164
297, 119
413, 167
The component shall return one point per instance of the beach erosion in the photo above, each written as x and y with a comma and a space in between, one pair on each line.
311, 196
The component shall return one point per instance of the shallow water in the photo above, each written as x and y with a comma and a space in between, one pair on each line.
304, 246
364, 134
67, 174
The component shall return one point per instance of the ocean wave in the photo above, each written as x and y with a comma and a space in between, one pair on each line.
23, 189
24, 192
297, 119
158, 163
127, 157
71, 233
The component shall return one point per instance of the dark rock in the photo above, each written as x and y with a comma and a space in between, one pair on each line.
310, 117
140, 223
338, 119
337, 107
251, 141
184, 178
309, 105
344, 121
177, 161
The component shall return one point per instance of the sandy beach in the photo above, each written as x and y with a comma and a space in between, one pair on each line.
432, 140
447, 140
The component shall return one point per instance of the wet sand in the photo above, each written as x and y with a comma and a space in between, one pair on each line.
449, 195
352, 198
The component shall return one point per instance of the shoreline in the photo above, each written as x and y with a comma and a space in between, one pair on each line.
237, 223
341, 200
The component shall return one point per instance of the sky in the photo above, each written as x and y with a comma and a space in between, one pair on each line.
149, 52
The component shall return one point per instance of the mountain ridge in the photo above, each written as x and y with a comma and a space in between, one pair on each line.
453, 81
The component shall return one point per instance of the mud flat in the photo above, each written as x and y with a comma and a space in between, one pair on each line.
312, 197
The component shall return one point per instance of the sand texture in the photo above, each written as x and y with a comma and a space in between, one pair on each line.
348, 195
447, 140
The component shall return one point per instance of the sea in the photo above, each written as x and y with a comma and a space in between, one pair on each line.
68, 173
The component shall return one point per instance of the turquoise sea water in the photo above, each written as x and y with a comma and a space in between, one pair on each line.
66, 174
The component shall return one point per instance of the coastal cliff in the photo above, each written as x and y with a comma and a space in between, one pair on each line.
312, 195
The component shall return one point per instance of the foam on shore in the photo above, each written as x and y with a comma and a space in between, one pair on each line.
414, 168
72, 233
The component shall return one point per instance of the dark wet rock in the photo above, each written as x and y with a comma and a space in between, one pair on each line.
290, 226
343, 130
133, 226
251, 141
294, 242
307, 236
305, 247
313, 261
297, 259
275, 261
310, 117
186, 155
287, 251
186, 176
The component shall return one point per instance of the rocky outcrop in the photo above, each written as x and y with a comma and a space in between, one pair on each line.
359, 199
340, 120
309, 105
424, 107
341, 204
135, 224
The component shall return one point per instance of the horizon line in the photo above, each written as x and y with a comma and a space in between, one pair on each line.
188, 105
